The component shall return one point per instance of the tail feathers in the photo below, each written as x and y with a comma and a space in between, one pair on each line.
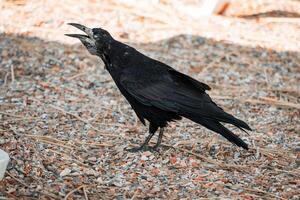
242, 129
219, 128
227, 118
240, 124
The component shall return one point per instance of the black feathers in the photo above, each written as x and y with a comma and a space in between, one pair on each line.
159, 93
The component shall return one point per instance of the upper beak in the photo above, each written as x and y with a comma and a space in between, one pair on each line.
85, 29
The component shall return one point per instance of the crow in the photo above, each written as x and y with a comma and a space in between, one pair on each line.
157, 92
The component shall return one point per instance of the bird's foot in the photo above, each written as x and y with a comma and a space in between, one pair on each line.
143, 148
154, 148
163, 147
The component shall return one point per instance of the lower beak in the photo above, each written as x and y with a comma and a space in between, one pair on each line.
79, 36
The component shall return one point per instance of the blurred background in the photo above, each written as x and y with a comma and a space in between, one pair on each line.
266, 22
64, 124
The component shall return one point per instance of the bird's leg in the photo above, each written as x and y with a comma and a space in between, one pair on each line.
144, 146
159, 139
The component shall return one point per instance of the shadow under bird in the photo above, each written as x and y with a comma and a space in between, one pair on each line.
157, 92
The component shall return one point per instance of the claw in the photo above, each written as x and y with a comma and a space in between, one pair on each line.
142, 148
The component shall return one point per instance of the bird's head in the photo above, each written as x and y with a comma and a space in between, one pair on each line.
95, 40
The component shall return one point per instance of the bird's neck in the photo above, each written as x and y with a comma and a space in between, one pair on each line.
105, 58
109, 54
116, 55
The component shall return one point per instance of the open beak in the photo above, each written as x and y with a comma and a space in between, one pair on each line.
87, 40
88, 31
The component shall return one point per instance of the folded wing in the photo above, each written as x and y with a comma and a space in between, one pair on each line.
173, 91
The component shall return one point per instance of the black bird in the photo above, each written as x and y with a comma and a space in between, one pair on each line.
156, 91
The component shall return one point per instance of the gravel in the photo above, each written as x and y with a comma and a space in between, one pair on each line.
65, 125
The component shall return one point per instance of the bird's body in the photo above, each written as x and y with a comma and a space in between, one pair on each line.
138, 72
158, 93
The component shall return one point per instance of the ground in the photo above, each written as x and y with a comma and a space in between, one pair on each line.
65, 125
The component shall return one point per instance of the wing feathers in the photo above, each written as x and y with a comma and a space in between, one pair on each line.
175, 92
